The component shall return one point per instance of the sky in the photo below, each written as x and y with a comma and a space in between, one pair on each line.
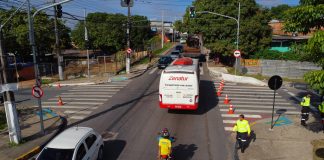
153, 9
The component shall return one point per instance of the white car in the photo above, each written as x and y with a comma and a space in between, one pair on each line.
75, 143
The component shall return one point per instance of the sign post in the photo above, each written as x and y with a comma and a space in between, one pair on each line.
274, 83
237, 54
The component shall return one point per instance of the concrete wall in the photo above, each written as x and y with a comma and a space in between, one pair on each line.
287, 69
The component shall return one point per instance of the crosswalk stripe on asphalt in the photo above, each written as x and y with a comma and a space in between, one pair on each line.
67, 107
237, 115
258, 111
77, 117
87, 96
81, 103
79, 99
77, 112
257, 106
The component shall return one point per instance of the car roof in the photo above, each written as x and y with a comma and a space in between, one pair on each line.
69, 138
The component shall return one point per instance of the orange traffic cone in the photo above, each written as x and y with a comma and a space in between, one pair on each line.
60, 102
219, 93
230, 110
226, 101
59, 85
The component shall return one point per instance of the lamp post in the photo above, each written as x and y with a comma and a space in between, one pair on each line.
237, 20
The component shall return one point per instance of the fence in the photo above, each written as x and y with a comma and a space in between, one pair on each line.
287, 69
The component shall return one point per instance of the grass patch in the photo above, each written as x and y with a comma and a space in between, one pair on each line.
3, 120
47, 81
165, 47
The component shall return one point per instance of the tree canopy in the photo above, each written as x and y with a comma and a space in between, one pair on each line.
277, 12
108, 32
16, 38
219, 33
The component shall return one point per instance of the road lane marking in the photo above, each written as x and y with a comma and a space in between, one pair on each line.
249, 95
253, 99
98, 87
245, 87
153, 70
252, 90
85, 103
201, 70
77, 112
67, 107
229, 121
90, 93
239, 92
258, 106
80, 99
245, 115
86, 96
77, 117
259, 111
257, 102
228, 128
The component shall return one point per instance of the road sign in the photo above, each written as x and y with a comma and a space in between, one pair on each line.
237, 53
37, 92
129, 51
275, 82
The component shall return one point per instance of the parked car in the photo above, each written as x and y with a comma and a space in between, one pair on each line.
75, 143
180, 48
164, 61
183, 41
175, 54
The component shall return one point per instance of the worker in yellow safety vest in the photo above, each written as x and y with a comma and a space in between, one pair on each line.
243, 130
305, 103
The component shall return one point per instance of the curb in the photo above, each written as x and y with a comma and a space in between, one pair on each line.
37, 149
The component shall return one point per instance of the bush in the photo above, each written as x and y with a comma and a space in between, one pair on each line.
3, 121
275, 55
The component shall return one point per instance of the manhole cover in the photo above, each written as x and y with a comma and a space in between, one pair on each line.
320, 152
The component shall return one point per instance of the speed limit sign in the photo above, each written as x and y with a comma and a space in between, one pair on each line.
237, 53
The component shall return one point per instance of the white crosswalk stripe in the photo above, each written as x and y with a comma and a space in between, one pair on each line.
80, 101
201, 70
252, 101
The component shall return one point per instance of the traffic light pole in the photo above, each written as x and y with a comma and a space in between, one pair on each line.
238, 26
57, 46
33, 45
162, 27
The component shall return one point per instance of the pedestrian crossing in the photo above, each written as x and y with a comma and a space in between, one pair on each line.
160, 71
81, 101
255, 102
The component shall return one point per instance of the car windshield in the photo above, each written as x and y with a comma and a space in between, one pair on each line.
174, 53
179, 47
56, 154
163, 59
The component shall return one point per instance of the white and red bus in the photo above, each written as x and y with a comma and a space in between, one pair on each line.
179, 85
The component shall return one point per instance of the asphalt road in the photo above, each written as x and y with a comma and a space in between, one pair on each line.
131, 119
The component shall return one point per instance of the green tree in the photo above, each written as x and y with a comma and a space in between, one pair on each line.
16, 36
107, 32
219, 33
316, 80
278, 11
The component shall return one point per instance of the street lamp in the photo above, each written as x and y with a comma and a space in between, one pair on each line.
238, 26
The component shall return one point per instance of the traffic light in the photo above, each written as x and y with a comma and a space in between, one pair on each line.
192, 12
126, 3
59, 11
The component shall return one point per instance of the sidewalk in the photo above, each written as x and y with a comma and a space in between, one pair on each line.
288, 140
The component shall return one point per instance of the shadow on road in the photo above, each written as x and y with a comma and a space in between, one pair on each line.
184, 151
207, 101
113, 148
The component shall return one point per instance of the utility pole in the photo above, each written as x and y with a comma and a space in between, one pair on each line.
57, 46
86, 41
162, 40
128, 38
237, 34
37, 77
9, 100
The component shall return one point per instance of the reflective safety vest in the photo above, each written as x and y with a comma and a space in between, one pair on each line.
321, 107
242, 126
305, 102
